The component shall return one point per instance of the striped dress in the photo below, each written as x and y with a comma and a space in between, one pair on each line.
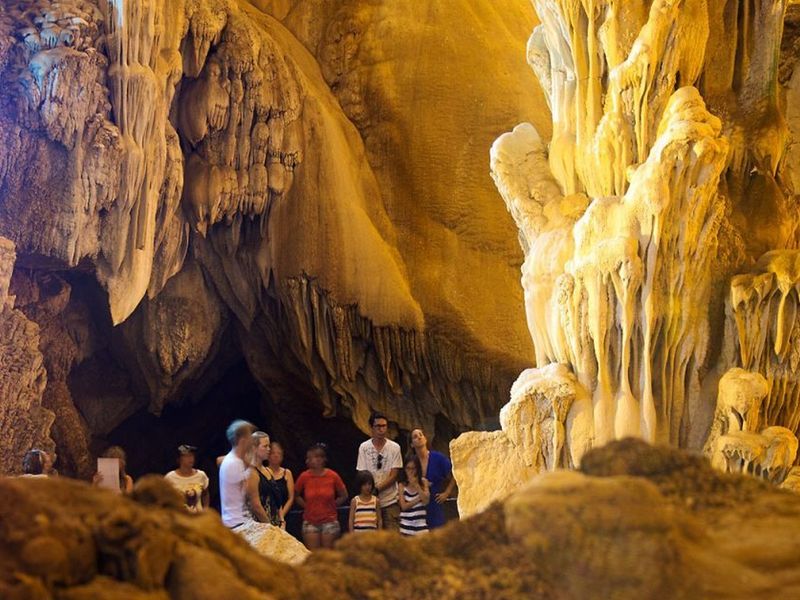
413, 521
366, 515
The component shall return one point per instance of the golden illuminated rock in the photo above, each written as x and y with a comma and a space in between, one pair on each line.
666, 174
299, 184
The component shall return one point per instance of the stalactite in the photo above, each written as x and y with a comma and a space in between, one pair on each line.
142, 75
763, 326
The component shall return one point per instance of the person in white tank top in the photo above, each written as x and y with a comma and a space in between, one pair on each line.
233, 474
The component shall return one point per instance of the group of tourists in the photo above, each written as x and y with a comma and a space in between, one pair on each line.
392, 492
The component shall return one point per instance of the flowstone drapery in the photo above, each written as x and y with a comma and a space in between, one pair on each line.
195, 186
663, 178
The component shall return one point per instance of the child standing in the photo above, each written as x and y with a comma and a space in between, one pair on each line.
414, 495
364, 513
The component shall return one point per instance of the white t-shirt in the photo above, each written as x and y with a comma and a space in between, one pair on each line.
233, 475
192, 488
368, 461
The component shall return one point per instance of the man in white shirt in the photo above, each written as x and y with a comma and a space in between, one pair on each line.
233, 474
382, 458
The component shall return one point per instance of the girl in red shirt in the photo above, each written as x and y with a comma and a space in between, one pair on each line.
319, 491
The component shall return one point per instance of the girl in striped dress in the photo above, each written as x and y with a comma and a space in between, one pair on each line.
364, 512
413, 494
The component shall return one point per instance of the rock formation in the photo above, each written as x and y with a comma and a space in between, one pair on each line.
490, 465
636, 522
24, 420
668, 173
258, 187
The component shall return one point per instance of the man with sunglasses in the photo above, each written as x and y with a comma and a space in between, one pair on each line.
381, 457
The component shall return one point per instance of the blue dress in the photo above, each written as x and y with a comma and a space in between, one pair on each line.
438, 473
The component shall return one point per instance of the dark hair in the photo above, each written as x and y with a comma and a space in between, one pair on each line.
33, 462
318, 447
409, 459
363, 477
375, 416
237, 430
276, 443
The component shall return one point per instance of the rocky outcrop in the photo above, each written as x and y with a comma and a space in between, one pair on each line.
536, 436
636, 522
65, 336
273, 542
25, 421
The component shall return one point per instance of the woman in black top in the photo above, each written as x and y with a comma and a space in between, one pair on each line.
281, 485
258, 483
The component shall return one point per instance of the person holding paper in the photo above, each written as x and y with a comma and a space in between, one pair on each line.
111, 472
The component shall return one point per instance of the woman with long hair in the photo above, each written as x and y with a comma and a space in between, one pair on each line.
438, 470
413, 495
258, 483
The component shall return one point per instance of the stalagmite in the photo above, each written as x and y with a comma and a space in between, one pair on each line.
641, 208
741, 394
544, 427
780, 455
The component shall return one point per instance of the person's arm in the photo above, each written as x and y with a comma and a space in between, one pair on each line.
128, 485
341, 492
205, 497
361, 461
424, 491
401, 498
352, 518
380, 514
298, 491
390, 480
442, 497
255, 502
290, 501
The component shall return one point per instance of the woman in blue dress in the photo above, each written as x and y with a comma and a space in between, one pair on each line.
439, 472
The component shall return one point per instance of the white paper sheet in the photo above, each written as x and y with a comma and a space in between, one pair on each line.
109, 473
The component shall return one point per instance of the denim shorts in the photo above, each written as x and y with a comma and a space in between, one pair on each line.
332, 528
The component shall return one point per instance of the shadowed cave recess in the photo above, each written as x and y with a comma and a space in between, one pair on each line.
112, 405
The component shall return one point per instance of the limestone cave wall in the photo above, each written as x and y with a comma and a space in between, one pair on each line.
300, 184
